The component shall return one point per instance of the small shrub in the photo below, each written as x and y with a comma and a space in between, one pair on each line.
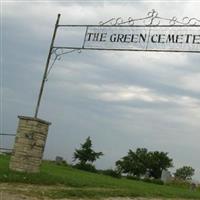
179, 183
110, 172
155, 181
7, 153
133, 178
63, 163
85, 167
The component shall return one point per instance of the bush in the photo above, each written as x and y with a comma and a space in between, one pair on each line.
5, 153
85, 167
133, 178
147, 180
63, 163
155, 181
179, 183
110, 172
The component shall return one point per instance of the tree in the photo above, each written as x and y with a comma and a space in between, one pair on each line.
184, 173
141, 161
134, 164
86, 154
158, 161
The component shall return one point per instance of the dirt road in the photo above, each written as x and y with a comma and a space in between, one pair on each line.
35, 192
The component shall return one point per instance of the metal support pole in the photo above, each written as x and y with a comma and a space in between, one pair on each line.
47, 66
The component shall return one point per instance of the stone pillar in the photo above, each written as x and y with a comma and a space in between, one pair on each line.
29, 144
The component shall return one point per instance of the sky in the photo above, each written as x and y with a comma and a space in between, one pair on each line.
122, 100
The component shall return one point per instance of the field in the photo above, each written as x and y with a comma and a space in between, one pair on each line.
55, 181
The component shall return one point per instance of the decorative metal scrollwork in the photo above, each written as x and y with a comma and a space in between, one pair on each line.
152, 18
57, 55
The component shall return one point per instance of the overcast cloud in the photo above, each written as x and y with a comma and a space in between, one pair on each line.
123, 100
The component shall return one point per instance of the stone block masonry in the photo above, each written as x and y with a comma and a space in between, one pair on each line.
29, 144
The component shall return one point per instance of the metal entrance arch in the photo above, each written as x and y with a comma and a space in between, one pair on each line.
148, 32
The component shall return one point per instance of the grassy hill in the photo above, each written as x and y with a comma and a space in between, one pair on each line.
89, 185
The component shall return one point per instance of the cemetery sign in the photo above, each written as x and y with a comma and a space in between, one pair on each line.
160, 38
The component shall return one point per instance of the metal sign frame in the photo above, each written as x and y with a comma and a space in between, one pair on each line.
56, 49
151, 20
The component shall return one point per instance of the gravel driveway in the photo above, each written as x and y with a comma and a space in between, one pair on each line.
10, 191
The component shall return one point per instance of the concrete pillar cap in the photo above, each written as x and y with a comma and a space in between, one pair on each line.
34, 119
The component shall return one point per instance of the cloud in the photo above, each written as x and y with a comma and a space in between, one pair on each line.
125, 93
190, 82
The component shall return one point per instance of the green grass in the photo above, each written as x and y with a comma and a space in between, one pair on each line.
82, 184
